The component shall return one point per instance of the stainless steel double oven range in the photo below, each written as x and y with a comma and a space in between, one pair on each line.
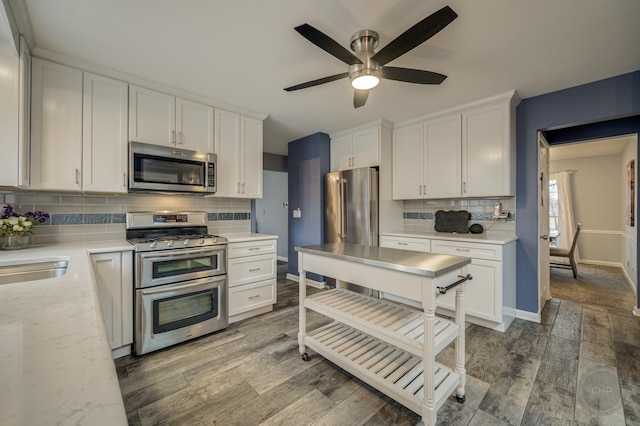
180, 278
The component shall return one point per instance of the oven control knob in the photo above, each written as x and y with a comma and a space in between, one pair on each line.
153, 244
201, 240
186, 242
169, 243
215, 240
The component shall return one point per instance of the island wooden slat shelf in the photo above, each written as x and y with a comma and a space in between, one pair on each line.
388, 345
400, 325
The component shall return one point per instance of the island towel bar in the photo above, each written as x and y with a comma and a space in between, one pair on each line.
443, 290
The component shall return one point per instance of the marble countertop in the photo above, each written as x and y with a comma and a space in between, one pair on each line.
489, 237
240, 237
55, 358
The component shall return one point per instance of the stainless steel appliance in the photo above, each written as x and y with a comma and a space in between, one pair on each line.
180, 278
351, 206
167, 169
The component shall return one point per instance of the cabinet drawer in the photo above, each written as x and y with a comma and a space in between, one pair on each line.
406, 243
252, 296
251, 248
244, 270
474, 250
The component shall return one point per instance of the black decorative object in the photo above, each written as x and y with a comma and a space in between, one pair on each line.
453, 221
476, 228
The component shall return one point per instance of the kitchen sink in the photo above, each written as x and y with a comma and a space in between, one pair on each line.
32, 271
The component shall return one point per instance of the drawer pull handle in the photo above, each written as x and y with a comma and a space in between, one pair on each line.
257, 296
254, 269
403, 244
461, 249
254, 248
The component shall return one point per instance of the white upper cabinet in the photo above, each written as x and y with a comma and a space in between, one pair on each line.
356, 148
489, 151
56, 127
14, 114
104, 135
251, 157
408, 162
78, 130
194, 125
426, 159
238, 145
161, 119
469, 152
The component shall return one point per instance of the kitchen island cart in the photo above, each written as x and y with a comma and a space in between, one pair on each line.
388, 345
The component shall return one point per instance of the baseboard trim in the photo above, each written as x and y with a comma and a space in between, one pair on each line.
629, 281
528, 316
121, 351
310, 282
283, 258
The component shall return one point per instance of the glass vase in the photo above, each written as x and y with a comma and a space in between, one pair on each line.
14, 242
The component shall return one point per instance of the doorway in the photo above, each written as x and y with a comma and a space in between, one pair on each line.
596, 170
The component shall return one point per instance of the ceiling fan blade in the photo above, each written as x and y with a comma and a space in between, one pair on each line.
327, 44
360, 98
411, 75
317, 82
416, 35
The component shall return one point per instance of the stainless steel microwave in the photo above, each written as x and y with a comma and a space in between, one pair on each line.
167, 169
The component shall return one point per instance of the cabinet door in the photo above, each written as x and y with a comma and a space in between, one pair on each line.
443, 157
194, 125
152, 116
486, 152
113, 275
408, 163
251, 157
366, 148
341, 153
9, 113
104, 139
56, 127
227, 147
24, 116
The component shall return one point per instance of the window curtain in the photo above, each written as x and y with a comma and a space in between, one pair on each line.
566, 221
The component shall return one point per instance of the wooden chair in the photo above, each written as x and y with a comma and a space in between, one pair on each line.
562, 252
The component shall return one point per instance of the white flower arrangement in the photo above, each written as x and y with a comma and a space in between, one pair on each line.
15, 225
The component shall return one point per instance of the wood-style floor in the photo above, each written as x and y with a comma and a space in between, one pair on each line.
581, 365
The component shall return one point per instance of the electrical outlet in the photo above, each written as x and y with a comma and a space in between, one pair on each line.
297, 213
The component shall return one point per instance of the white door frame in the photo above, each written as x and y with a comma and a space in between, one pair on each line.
544, 286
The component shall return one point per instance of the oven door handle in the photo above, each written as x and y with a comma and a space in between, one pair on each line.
182, 253
189, 284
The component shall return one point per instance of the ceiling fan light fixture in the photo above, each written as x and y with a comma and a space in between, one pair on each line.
365, 79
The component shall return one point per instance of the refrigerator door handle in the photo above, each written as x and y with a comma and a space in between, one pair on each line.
339, 212
343, 216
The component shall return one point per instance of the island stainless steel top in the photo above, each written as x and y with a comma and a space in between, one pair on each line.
413, 262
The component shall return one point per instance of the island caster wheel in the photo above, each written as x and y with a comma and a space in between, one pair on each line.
461, 399
305, 357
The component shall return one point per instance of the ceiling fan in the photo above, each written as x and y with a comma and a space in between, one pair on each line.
367, 67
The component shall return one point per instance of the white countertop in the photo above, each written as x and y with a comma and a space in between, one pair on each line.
55, 358
488, 237
240, 237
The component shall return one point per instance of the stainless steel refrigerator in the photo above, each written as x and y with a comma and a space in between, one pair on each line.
351, 206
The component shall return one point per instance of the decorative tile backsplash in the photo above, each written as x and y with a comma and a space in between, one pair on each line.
82, 218
419, 215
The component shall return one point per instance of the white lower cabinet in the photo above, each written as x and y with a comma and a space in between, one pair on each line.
113, 273
252, 268
490, 295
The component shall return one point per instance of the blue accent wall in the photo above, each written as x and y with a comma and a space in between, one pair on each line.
602, 100
308, 162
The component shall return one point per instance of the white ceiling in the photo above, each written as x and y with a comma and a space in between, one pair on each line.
608, 146
244, 52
